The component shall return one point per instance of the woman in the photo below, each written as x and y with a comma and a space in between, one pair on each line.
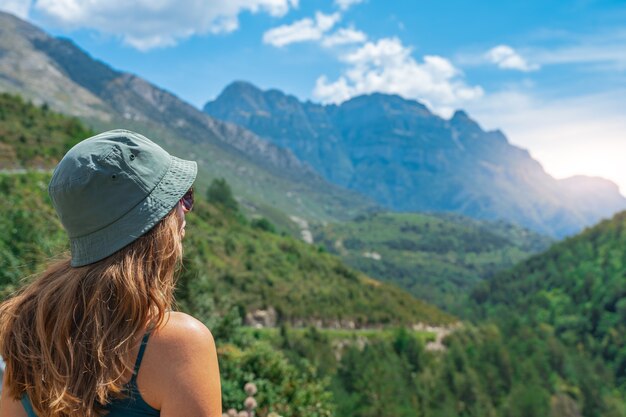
93, 334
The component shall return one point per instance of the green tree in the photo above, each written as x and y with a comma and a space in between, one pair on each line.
263, 224
220, 193
375, 383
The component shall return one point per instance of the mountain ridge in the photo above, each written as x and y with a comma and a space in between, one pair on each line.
57, 72
408, 159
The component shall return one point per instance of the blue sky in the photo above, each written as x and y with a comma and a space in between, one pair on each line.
550, 74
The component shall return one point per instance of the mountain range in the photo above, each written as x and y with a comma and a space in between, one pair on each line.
267, 178
399, 153
284, 157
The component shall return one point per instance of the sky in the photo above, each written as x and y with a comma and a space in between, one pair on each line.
550, 74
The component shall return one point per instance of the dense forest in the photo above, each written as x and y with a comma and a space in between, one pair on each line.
543, 339
577, 288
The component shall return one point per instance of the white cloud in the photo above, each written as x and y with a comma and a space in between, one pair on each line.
598, 52
344, 36
19, 8
506, 57
388, 66
303, 30
604, 47
609, 56
146, 24
346, 4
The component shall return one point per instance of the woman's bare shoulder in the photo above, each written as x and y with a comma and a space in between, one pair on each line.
178, 324
181, 369
179, 335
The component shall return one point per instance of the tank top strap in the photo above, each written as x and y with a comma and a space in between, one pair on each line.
28, 407
142, 349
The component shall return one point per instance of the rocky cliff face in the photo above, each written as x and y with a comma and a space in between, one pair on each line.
28, 71
408, 159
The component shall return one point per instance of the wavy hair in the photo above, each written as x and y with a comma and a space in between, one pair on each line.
67, 337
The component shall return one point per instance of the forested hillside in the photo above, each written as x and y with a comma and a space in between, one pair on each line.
33, 136
577, 288
438, 258
486, 371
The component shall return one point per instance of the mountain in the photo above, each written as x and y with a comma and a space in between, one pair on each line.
577, 289
54, 71
408, 159
438, 258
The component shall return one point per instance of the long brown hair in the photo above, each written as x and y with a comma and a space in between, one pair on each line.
67, 337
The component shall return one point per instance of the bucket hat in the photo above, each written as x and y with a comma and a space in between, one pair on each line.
110, 189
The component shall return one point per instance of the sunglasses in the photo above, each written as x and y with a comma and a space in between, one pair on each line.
187, 200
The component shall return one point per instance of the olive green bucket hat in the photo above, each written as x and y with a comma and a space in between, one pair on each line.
112, 188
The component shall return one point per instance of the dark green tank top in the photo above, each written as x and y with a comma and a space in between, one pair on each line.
132, 405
